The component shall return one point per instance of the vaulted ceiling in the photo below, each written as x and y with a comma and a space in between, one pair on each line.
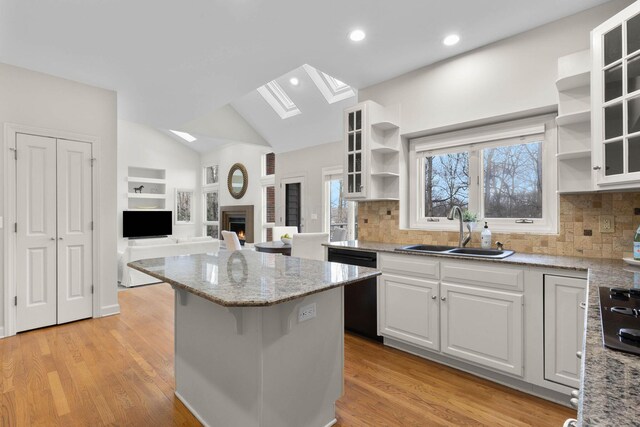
175, 63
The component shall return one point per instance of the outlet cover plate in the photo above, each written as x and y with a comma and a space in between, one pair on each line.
607, 224
307, 312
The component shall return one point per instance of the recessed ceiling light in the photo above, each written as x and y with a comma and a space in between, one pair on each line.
450, 40
357, 35
294, 81
184, 135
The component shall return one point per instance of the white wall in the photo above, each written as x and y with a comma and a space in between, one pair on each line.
39, 100
251, 157
309, 163
512, 75
142, 146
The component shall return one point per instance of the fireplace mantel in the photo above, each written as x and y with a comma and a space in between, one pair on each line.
246, 211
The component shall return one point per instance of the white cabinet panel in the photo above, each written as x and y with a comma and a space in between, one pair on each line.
484, 275
563, 328
483, 326
422, 267
409, 310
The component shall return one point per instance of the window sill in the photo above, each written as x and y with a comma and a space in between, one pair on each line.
453, 227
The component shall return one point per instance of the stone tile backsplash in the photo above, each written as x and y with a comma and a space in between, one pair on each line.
579, 233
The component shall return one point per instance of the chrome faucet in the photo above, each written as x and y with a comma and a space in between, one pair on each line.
462, 241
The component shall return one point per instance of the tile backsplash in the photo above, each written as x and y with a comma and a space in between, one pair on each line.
579, 233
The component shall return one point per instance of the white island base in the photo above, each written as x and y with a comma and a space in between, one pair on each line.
260, 366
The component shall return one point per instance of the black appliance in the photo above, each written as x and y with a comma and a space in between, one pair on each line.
146, 223
620, 312
360, 299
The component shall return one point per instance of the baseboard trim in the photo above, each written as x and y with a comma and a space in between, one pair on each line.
110, 310
332, 422
193, 412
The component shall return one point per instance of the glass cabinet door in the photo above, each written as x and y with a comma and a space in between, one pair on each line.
355, 153
616, 48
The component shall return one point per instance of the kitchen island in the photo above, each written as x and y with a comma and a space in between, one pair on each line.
258, 337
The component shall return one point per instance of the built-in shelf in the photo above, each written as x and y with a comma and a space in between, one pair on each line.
143, 180
573, 155
383, 149
384, 125
152, 195
147, 196
573, 81
576, 117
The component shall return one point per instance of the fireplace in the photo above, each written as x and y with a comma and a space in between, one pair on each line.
238, 219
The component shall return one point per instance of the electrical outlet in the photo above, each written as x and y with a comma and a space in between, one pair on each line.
607, 224
307, 312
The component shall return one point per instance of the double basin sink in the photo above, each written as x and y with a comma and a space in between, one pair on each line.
452, 250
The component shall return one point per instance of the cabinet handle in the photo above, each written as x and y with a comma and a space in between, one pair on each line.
573, 402
575, 393
53, 238
60, 238
596, 168
434, 297
443, 298
583, 305
579, 354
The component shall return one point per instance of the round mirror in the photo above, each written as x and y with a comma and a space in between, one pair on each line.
237, 180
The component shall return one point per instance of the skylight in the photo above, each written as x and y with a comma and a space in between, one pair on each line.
184, 135
273, 93
331, 88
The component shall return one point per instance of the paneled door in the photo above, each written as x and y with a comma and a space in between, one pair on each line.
54, 239
36, 232
74, 231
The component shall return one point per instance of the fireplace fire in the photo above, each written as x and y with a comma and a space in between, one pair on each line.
238, 219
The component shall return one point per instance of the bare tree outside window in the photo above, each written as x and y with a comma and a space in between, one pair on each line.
211, 206
184, 206
446, 183
513, 181
212, 230
211, 174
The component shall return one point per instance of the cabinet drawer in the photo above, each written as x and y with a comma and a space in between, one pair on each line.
413, 265
483, 275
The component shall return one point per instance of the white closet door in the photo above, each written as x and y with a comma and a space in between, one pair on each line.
74, 231
36, 236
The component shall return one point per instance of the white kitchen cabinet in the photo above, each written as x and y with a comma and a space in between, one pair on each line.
483, 326
615, 93
409, 310
372, 147
564, 312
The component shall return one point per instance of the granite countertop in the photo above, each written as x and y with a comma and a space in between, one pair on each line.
250, 279
610, 387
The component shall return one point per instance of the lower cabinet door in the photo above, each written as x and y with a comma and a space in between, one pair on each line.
408, 310
483, 326
563, 328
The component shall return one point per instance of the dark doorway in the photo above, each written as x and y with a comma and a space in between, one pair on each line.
293, 205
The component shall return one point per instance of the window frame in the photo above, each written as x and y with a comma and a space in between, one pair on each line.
210, 188
327, 174
475, 140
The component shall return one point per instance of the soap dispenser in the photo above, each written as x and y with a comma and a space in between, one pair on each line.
485, 237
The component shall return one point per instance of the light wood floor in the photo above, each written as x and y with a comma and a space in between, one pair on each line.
118, 371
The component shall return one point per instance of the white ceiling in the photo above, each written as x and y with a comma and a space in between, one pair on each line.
174, 63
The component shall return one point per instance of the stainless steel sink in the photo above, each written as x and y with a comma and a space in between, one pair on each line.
451, 250
482, 253
426, 248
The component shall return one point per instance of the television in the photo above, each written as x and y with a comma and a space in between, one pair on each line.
146, 223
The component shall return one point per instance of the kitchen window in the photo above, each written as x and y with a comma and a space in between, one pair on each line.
505, 173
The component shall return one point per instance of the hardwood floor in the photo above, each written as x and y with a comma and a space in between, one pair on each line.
118, 370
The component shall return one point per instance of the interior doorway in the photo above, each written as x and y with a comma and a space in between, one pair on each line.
292, 202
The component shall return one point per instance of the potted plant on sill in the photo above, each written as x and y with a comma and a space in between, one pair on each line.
470, 219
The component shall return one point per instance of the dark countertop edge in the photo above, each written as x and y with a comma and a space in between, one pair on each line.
225, 303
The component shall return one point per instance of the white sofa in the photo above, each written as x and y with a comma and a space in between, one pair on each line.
156, 248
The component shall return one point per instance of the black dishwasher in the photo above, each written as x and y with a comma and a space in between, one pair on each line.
360, 299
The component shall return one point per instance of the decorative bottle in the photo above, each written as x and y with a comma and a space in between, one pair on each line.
485, 237
636, 245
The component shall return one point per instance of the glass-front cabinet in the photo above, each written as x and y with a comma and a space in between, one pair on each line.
616, 100
372, 146
355, 156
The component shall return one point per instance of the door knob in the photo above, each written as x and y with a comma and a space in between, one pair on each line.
443, 298
596, 168
434, 297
